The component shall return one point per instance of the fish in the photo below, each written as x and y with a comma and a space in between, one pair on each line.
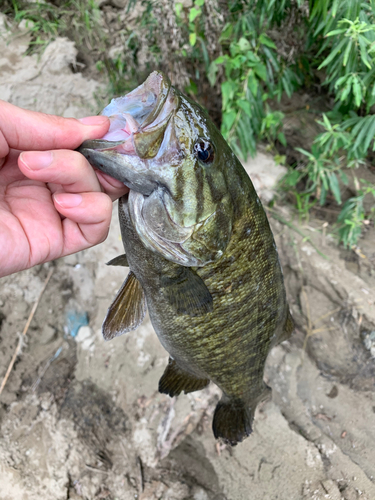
201, 255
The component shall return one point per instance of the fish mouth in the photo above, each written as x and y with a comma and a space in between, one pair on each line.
138, 125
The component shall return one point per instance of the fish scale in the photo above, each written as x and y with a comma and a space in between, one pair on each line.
201, 256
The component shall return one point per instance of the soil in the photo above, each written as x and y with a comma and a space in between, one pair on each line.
81, 418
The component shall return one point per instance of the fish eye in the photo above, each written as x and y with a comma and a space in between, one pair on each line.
204, 151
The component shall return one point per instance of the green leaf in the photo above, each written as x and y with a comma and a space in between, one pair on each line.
323, 195
227, 32
363, 131
292, 178
212, 72
199, 3
370, 134
193, 14
347, 52
178, 9
286, 84
192, 39
220, 60
343, 177
336, 32
327, 123
334, 185
335, 6
245, 106
252, 57
265, 40
243, 44
341, 80
282, 138
363, 46
333, 54
227, 92
252, 83
261, 70
228, 119
357, 91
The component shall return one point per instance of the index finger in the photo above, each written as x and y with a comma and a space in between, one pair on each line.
29, 130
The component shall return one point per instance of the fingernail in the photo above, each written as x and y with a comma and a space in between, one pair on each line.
68, 200
93, 120
36, 160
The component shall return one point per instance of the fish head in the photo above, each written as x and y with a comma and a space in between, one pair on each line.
165, 148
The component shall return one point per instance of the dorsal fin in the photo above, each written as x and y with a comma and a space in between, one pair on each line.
127, 311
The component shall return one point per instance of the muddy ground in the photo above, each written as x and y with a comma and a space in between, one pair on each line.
80, 418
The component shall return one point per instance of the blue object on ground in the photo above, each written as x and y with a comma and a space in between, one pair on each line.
74, 321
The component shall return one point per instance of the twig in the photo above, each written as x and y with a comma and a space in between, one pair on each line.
95, 469
18, 348
141, 477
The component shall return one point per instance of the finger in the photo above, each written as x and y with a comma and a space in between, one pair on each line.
65, 168
111, 186
4, 148
30, 130
87, 222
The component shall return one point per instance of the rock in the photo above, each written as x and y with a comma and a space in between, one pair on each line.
44, 84
265, 174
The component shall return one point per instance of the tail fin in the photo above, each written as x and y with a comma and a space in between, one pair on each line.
233, 418
232, 421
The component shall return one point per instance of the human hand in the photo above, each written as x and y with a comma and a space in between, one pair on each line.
52, 202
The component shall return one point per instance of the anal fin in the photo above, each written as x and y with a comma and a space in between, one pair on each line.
175, 380
127, 311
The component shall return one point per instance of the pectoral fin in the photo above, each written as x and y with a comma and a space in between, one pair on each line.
127, 311
120, 260
187, 292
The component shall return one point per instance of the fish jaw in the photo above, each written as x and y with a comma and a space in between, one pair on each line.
129, 170
138, 124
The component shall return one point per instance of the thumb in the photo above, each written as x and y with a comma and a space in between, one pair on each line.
29, 130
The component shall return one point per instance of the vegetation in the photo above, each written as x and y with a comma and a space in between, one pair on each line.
247, 56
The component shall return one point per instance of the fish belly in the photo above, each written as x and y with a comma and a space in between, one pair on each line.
230, 344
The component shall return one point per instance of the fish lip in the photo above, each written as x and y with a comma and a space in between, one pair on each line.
157, 78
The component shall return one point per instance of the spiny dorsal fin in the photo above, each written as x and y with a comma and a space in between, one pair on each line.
187, 293
120, 260
127, 311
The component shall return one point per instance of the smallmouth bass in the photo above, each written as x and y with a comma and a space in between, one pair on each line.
201, 254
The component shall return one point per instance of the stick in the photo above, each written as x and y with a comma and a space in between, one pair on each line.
18, 348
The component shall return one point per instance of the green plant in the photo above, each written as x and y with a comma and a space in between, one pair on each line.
352, 217
254, 74
79, 19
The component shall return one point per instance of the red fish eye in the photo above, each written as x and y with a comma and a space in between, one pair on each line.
204, 151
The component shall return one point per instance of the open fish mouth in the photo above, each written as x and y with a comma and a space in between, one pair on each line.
138, 125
